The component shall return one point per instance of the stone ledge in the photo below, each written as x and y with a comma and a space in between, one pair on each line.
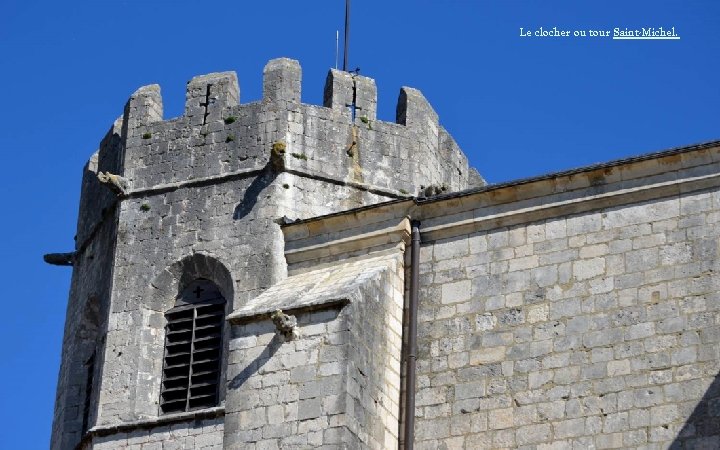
386, 192
322, 242
106, 430
161, 188
241, 316
244, 173
480, 219
661, 158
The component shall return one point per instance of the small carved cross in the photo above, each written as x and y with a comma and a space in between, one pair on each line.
197, 291
353, 110
354, 106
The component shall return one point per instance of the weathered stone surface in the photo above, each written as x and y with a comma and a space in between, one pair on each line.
198, 198
592, 358
576, 310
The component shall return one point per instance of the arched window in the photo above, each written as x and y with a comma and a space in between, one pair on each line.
193, 349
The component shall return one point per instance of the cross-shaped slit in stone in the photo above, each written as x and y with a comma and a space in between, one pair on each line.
198, 290
354, 106
207, 103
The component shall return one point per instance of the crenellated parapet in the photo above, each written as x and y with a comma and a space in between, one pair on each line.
341, 140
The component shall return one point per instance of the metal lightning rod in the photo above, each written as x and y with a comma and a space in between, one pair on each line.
347, 35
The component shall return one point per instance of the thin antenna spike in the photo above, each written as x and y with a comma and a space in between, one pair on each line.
337, 47
347, 35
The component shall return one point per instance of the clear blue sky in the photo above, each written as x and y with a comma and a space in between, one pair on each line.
517, 106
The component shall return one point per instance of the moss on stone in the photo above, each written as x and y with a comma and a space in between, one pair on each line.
279, 147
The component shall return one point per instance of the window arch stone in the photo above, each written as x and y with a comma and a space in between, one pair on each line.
165, 287
161, 296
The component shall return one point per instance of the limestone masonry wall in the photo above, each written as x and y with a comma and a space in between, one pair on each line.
337, 383
87, 312
204, 434
576, 310
288, 393
597, 329
203, 196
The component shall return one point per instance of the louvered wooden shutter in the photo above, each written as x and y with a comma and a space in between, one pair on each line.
193, 345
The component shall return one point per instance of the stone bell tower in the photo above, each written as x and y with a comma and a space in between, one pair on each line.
174, 336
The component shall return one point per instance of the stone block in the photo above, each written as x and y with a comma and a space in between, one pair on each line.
282, 81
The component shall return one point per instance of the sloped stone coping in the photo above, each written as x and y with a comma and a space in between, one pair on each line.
330, 286
154, 422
